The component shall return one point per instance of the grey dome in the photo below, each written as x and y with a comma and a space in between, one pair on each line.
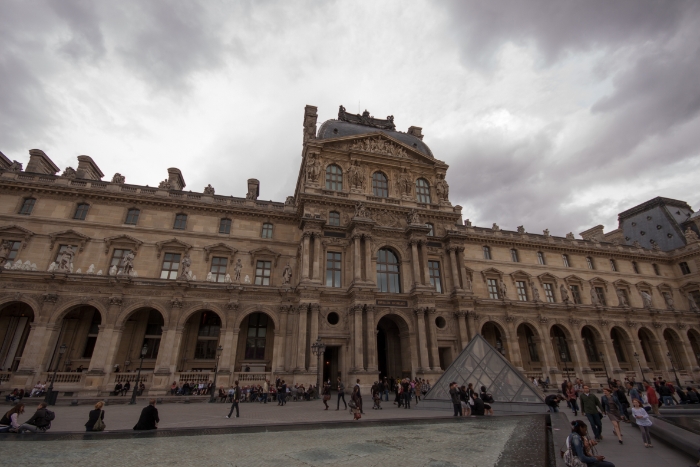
337, 129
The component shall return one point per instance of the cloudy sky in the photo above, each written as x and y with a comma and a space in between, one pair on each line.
551, 114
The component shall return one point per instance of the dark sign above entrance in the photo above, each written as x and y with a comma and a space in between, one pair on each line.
392, 302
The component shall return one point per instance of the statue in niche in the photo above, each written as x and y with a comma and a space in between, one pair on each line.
356, 175
118, 178
646, 298
65, 262
564, 294
69, 173
535, 292
287, 274
404, 183
621, 297
165, 185
413, 217
209, 190
126, 266
595, 300
15, 167
691, 302
5, 250
503, 290
467, 284
669, 301
313, 167
237, 270
186, 272
442, 188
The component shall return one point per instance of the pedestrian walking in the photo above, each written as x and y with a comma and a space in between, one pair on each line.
613, 407
589, 407
359, 396
236, 399
149, 417
652, 398
643, 421
326, 393
571, 397
356, 402
95, 415
9, 421
341, 394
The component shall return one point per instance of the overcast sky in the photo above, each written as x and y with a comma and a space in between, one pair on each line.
551, 114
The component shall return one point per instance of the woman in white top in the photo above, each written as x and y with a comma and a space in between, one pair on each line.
643, 421
9, 421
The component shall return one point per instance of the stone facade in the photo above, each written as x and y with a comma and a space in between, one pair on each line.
369, 255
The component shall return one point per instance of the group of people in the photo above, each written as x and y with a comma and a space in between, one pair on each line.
39, 422
191, 389
467, 402
17, 394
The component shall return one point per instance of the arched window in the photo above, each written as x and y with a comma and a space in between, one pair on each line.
422, 191
81, 211
380, 185
257, 337
388, 278
333, 218
589, 345
207, 336
334, 178
562, 346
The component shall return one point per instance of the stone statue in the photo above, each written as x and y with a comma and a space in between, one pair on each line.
595, 300
413, 217
467, 284
210, 277
113, 271
209, 190
360, 210
442, 188
69, 173
237, 271
691, 302
289, 201
5, 250
186, 272
287, 274
247, 279
356, 175
52, 267
646, 299
545, 232
313, 167
621, 297
404, 183
535, 292
564, 294
495, 227
91, 269
79, 271
570, 236
521, 229
503, 290
227, 279
690, 235
118, 178
34, 268
467, 223
165, 185
669, 301
99, 273
65, 262
126, 266
636, 244
15, 167
27, 266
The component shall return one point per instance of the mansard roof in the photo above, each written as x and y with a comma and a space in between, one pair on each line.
337, 129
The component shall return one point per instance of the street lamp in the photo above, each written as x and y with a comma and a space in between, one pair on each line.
636, 355
61, 351
144, 351
604, 366
317, 348
566, 368
212, 397
673, 367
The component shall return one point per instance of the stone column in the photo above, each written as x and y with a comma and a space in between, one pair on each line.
686, 351
371, 340
359, 358
281, 337
422, 344
549, 356
640, 360
466, 284
472, 324
415, 262
317, 257
226, 342
98, 363
305, 256
424, 257
369, 276
462, 324
608, 353
455, 271
313, 361
662, 350
579, 365
169, 350
357, 263
301, 347
434, 352
234, 350
516, 357
36, 348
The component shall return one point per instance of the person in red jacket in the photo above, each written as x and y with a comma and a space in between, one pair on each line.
651, 397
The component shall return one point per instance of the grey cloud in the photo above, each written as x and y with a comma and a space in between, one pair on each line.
83, 21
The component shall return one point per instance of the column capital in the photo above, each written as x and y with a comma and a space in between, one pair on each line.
306, 234
315, 307
370, 308
419, 311
460, 314
356, 309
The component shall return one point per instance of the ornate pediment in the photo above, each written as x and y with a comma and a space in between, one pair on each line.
220, 247
70, 236
173, 243
520, 274
547, 277
10, 232
263, 252
381, 143
135, 243
573, 278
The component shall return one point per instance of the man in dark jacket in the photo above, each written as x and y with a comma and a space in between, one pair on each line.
456, 403
552, 401
236, 399
589, 407
40, 421
149, 417
478, 407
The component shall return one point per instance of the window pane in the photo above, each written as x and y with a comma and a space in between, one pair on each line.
388, 279
27, 206
180, 222
81, 212
267, 231
434, 270
334, 178
334, 218
380, 186
132, 216
422, 191
225, 226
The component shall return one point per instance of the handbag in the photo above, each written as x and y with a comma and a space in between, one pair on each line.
99, 424
326, 397
570, 459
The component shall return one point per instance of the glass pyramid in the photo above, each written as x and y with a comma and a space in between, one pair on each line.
482, 365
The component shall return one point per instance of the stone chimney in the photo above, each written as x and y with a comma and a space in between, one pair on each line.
40, 163
175, 179
416, 131
253, 189
87, 169
4, 161
594, 233
310, 117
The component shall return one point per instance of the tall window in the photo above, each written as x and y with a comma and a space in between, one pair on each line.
380, 185
540, 258
684, 268
93, 330
613, 265
154, 332
487, 252
521, 288
492, 285
334, 178
549, 292
263, 269
180, 222
333, 269
257, 337
14, 249
565, 260
656, 269
132, 216
422, 191
218, 268
589, 262
432, 229
27, 206
635, 267
117, 256
388, 279
562, 345
266, 230
434, 270
600, 293
81, 211
171, 265
575, 294
589, 345
617, 346
333, 218
225, 226
531, 345
514, 255
207, 336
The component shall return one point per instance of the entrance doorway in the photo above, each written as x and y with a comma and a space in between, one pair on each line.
331, 369
393, 357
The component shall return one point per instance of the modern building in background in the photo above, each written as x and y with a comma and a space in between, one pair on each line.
369, 255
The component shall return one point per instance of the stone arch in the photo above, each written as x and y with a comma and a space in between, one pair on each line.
60, 313
649, 344
399, 313
397, 248
394, 349
593, 346
492, 337
694, 339
674, 346
76, 325
622, 347
30, 302
195, 308
531, 346
127, 312
249, 310
560, 336
16, 320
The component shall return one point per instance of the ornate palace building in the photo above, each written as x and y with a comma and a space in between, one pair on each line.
369, 255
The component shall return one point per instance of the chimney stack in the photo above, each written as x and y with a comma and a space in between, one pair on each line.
40, 163
87, 169
175, 179
253, 189
416, 131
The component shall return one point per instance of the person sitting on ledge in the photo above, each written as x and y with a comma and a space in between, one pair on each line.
149, 417
478, 407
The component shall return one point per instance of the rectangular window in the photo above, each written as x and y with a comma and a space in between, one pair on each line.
81, 212
14, 249
171, 265
132, 216
540, 258
434, 269
656, 269
487, 252
432, 229
492, 285
218, 269
257, 337
549, 292
522, 290
514, 255
180, 222
333, 269
635, 267
117, 256
684, 268
333, 218
600, 293
27, 206
575, 294
565, 260
225, 226
589, 262
266, 231
262, 273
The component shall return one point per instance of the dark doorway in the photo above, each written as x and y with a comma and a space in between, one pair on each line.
331, 369
445, 357
392, 347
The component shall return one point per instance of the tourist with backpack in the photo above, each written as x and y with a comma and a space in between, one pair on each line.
40, 421
488, 400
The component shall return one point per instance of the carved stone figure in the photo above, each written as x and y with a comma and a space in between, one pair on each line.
91, 269
237, 270
535, 292
247, 279
570, 236
360, 210
113, 271
165, 185
118, 178
99, 273
646, 299
209, 190
521, 229
34, 268
69, 173
636, 244
27, 266
690, 235
467, 223
126, 265
5, 249
504, 290
442, 188
386, 218
186, 271
495, 227
413, 217
545, 232
210, 277
404, 183
378, 145
18, 265
621, 297
356, 175
289, 201
287, 274
313, 168
15, 167
691, 302
594, 297
65, 262
227, 279
564, 294
79, 271
669, 301
366, 119
467, 284
52, 267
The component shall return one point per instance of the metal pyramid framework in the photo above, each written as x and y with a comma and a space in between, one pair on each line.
482, 365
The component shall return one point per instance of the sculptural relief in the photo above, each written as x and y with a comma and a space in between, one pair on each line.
378, 145
595, 300
209, 190
385, 218
361, 211
404, 183
313, 168
287, 274
690, 235
413, 217
564, 294
186, 271
65, 262
237, 271
126, 265
646, 299
668, 298
692, 306
118, 178
356, 175
503, 290
69, 173
165, 185
442, 189
535, 292
622, 301
5, 250
15, 167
